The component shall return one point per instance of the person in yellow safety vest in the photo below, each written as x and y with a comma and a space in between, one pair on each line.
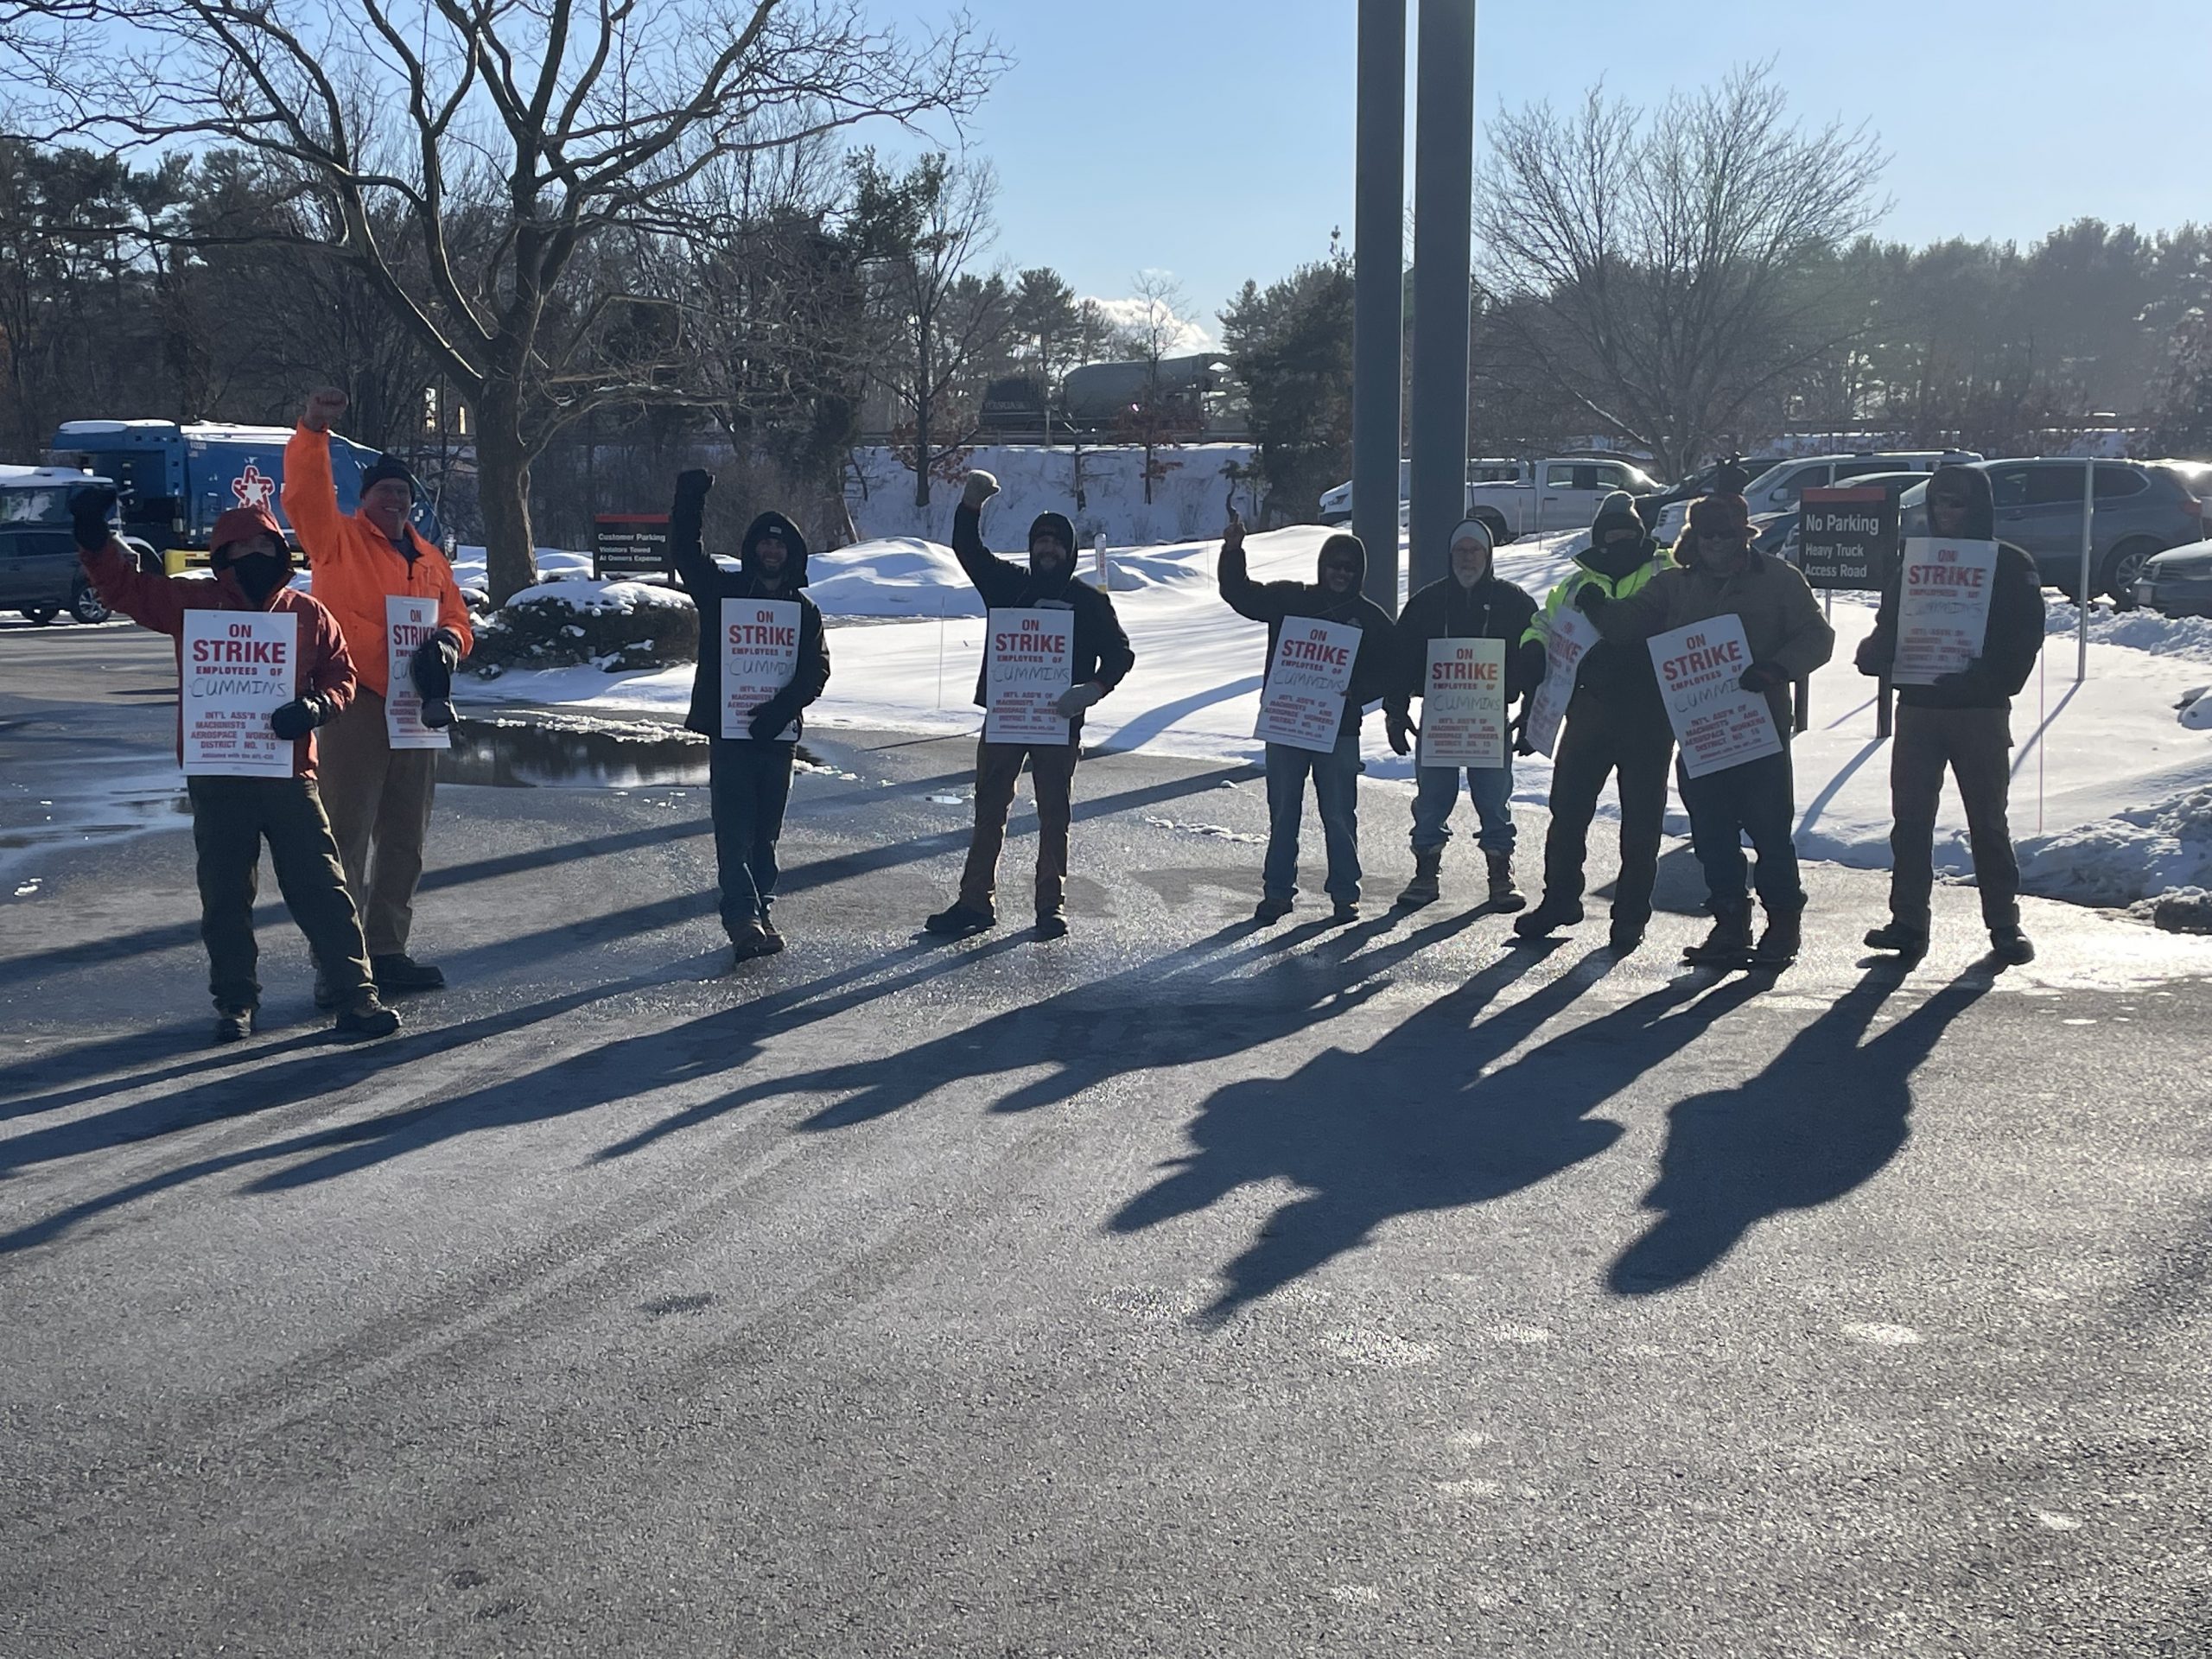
1616, 726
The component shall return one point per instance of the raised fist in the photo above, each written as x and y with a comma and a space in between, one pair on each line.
88, 514
980, 487
324, 407
692, 486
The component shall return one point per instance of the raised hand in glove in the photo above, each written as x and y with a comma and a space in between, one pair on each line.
88, 515
980, 487
768, 721
691, 487
295, 718
1763, 677
1401, 730
1589, 599
1076, 698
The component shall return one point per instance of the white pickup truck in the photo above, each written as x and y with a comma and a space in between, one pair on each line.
1522, 498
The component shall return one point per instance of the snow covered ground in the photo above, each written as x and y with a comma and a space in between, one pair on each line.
2111, 796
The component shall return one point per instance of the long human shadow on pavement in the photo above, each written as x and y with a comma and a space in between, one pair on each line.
1823, 1117
1412, 1124
1196, 1005
593, 1077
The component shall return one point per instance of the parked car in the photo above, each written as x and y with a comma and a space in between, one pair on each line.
177, 479
2178, 581
1560, 493
1777, 489
39, 575
2142, 509
1700, 482
1336, 505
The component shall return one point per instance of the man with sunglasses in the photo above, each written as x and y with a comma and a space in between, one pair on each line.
1961, 723
1720, 574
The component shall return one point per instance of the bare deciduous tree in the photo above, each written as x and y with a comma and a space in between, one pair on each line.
512, 138
1665, 267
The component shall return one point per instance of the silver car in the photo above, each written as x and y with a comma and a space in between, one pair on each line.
2142, 509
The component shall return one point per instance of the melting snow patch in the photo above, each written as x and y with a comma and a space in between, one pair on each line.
1380, 1349
1213, 831
25, 889
1356, 1595
2058, 1522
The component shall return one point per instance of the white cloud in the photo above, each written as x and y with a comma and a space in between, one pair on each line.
1191, 335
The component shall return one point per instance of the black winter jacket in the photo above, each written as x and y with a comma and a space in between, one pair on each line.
708, 584
1373, 668
1491, 609
2009, 649
1102, 648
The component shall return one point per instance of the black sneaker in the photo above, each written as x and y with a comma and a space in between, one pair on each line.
1345, 913
233, 1025
747, 941
1624, 939
1271, 910
1053, 925
401, 974
326, 994
367, 1018
1729, 944
2009, 945
960, 921
771, 941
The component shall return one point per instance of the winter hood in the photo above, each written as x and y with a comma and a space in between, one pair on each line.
794, 544
1339, 546
1981, 508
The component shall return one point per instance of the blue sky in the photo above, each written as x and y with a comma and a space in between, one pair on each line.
1213, 139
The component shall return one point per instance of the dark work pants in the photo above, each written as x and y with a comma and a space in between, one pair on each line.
1597, 742
1051, 775
750, 784
1974, 745
230, 817
1754, 800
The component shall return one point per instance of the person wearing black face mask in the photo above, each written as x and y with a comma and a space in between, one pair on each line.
1788, 639
232, 816
1101, 659
1615, 726
1334, 596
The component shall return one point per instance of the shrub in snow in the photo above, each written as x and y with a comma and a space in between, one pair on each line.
611, 624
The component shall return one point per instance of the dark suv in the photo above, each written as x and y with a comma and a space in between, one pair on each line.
2141, 509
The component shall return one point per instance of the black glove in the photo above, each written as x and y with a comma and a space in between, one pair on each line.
88, 514
1519, 732
690, 505
431, 666
768, 721
298, 717
1868, 658
1588, 600
1401, 730
1761, 678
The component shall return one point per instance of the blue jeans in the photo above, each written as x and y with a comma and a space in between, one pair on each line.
1754, 801
1491, 788
1336, 789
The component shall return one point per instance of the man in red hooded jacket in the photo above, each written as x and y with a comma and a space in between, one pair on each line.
232, 816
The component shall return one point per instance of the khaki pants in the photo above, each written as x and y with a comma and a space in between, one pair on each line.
1051, 772
230, 817
379, 798
1975, 746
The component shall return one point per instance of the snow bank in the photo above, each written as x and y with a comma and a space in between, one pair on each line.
2188, 636
2132, 855
611, 597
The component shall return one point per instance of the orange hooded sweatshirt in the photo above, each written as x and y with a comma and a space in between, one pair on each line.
353, 566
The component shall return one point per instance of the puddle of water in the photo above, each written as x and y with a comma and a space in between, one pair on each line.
113, 808
545, 754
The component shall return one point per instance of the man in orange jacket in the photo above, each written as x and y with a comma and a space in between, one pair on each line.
379, 798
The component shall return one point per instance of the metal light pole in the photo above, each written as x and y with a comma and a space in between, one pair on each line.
2088, 514
1444, 185
1378, 291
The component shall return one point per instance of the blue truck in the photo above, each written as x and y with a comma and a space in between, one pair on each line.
176, 478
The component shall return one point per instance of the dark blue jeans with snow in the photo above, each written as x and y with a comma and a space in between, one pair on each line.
1336, 790
750, 784
1491, 788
